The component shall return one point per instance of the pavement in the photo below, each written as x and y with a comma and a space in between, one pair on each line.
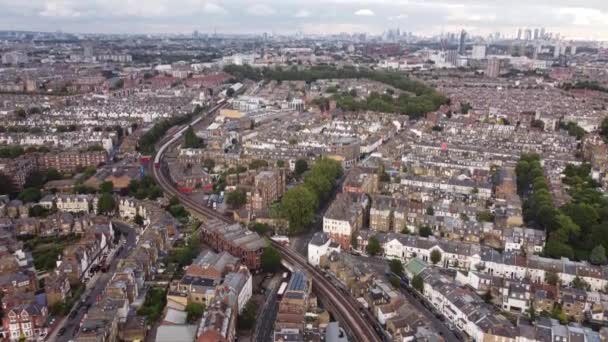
94, 289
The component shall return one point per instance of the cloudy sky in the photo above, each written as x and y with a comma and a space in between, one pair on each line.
573, 18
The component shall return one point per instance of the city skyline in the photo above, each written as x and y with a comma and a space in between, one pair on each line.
572, 20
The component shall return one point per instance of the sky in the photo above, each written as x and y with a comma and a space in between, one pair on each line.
575, 19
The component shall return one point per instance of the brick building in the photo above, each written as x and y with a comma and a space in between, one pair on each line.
18, 169
25, 320
69, 161
269, 186
236, 240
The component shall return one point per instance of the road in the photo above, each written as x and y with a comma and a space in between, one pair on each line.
343, 306
430, 316
90, 295
264, 324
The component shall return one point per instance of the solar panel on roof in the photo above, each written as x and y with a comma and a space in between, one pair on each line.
298, 282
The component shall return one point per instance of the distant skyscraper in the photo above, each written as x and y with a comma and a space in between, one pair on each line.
519, 34
537, 49
556, 51
536, 32
88, 50
452, 57
528, 34
493, 68
542, 33
573, 50
462, 42
479, 52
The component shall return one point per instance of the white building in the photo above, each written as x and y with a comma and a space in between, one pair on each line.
240, 282
319, 246
76, 203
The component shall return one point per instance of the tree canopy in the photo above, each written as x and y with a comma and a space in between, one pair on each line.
373, 246
191, 140
106, 204
271, 260
435, 256
417, 99
236, 199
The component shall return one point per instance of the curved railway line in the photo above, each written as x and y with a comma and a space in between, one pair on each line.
342, 305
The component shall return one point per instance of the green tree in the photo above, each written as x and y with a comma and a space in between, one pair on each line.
418, 283
301, 166
598, 255
6, 185
195, 311
261, 228
425, 231
29, 195
551, 278
53, 174
257, 163
35, 180
487, 297
532, 311
38, 211
435, 256
485, 216
319, 184
430, 211
191, 140
280, 163
246, 319
465, 107
382, 175
604, 129
209, 164
106, 187
396, 266
298, 206
236, 199
106, 204
271, 260
138, 220
373, 246
580, 283
395, 282
354, 242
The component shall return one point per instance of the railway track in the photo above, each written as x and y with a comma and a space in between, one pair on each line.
343, 306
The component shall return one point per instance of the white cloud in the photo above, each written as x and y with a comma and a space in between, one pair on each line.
59, 8
584, 16
261, 10
365, 12
302, 14
212, 8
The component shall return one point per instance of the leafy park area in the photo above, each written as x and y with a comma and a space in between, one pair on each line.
299, 204
578, 229
423, 99
148, 140
156, 299
144, 188
46, 249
